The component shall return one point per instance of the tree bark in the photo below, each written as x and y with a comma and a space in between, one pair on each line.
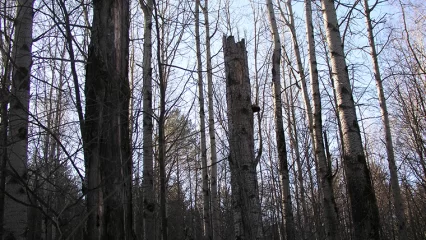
279, 128
161, 127
3, 151
109, 163
301, 71
4, 122
307, 103
215, 208
396, 190
148, 171
326, 178
245, 190
294, 142
16, 176
204, 171
365, 214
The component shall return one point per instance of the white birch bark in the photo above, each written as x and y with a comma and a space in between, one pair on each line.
365, 214
326, 181
397, 199
204, 171
15, 212
215, 208
279, 128
148, 174
308, 109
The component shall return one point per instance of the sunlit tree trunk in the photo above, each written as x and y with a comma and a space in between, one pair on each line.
204, 171
214, 204
300, 70
365, 214
279, 127
245, 190
398, 203
109, 163
148, 174
326, 178
289, 19
307, 103
15, 211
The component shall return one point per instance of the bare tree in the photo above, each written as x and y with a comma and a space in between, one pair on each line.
399, 206
214, 204
204, 171
326, 178
365, 214
246, 204
279, 128
168, 51
5, 46
161, 127
148, 172
109, 163
15, 211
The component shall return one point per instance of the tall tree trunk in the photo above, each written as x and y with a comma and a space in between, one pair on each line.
15, 211
35, 217
3, 153
109, 163
365, 214
162, 159
275, 194
326, 178
279, 127
3, 148
148, 171
161, 126
398, 203
215, 208
306, 101
300, 69
294, 139
245, 190
4, 101
289, 102
47, 166
195, 226
204, 171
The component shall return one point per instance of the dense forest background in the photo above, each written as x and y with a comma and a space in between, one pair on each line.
124, 119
